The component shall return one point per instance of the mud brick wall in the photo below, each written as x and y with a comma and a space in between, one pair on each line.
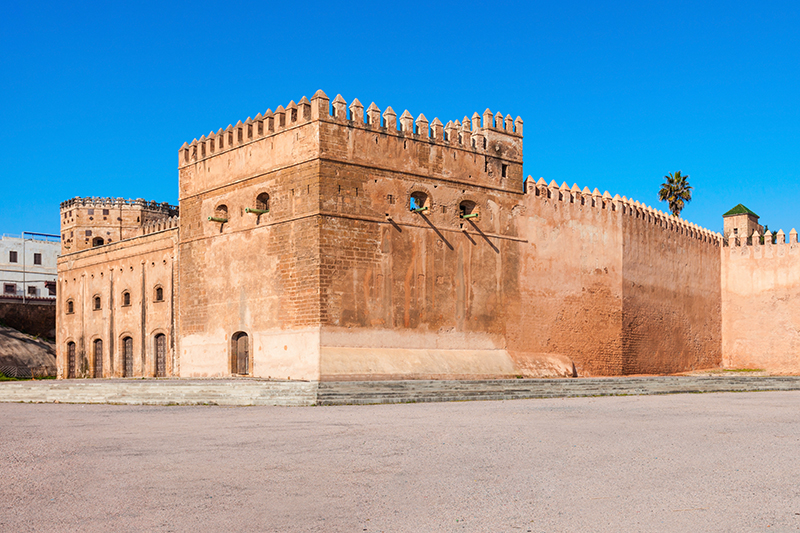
571, 280
761, 305
671, 312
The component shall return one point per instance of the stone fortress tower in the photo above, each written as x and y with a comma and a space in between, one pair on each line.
90, 222
326, 241
741, 223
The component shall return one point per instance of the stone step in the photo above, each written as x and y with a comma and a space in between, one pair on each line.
332, 393
262, 392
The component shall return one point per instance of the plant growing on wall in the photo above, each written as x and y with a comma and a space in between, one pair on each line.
676, 191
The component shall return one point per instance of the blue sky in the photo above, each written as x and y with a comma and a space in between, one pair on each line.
98, 97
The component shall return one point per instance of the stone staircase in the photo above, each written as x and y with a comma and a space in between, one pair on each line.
162, 392
373, 392
246, 391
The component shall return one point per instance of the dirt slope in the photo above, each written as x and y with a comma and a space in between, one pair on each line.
19, 350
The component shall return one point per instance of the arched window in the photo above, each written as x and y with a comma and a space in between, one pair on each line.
126, 298
159, 294
97, 303
98, 358
127, 357
70, 359
240, 354
419, 202
220, 215
262, 201
161, 355
70, 307
468, 209
97, 241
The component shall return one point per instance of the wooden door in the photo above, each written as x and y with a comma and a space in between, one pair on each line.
98, 358
127, 355
71, 360
242, 355
161, 355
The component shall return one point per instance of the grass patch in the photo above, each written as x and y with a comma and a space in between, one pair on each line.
3, 377
743, 370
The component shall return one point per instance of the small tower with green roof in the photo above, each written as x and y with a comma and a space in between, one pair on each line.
741, 222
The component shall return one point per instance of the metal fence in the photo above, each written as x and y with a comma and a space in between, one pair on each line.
27, 372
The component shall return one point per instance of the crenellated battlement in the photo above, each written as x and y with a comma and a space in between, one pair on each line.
473, 134
621, 205
107, 203
768, 239
160, 225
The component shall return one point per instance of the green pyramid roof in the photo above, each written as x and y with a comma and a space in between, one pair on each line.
739, 210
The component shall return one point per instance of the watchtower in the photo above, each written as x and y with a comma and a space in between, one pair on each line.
88, 222
310, 213
740, 223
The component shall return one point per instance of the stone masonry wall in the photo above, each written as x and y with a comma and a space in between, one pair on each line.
671, 295
571, 280
31, 317
257, 273
138, 267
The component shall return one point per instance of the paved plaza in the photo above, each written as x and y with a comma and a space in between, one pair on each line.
681, 462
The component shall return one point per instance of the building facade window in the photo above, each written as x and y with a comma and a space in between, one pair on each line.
31, 290
12, 256
126, 298
97, 303
37, 259
70, 307
419, 202
159, 294
262, 201
9, 288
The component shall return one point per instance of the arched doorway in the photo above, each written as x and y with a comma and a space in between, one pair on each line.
240, 354
98, 358
97, 241
161, 355
127, 357
70, 359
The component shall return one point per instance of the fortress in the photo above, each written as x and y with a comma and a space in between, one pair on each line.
315, 243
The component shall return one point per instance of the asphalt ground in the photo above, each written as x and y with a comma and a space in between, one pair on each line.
688, 462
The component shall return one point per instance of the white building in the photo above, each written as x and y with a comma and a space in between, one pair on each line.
28, 266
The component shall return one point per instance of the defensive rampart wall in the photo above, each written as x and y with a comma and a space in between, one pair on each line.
325, 241
761, 303
616, 286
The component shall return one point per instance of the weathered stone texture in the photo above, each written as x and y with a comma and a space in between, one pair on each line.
138, 267
571, 290
33, 318
345, 248
671, 296
761, 306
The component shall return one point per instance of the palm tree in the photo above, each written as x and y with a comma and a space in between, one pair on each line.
675, 191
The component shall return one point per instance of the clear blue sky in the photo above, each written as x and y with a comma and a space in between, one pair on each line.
98, 97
